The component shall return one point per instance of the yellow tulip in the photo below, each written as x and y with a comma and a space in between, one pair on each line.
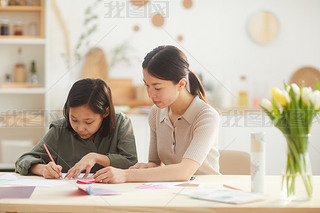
281, 97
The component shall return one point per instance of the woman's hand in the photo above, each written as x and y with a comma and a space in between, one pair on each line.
51, 171
86, 163
110, 175
143, 165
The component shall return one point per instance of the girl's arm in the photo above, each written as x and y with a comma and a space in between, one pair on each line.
38, 155
86, 163
49, 171
175, 172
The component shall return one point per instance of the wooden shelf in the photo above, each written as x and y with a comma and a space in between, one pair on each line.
21, 8
21, 40
22, 90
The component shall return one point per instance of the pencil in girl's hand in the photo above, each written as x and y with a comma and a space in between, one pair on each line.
49, 153
51, 158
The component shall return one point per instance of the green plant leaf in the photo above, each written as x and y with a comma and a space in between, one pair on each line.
92, 29
88, 10
317, 85
89, 19
276, 111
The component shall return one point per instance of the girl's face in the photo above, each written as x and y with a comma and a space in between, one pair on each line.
84, 121
163, 93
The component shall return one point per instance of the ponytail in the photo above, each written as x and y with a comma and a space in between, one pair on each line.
196, 88
170, 63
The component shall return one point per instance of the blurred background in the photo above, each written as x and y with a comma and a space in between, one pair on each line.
239, 48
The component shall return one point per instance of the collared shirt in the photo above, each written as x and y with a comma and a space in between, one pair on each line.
194, 135
67, 147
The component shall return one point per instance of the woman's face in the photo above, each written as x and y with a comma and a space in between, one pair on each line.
163, 93
84, 121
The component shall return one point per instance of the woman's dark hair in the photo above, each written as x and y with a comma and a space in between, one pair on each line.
170, 63
97, 95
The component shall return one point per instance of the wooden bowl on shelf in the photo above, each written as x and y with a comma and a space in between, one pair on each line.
307, 75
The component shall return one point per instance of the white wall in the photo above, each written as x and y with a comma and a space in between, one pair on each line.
215, 40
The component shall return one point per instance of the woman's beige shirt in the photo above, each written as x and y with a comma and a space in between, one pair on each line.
194, 135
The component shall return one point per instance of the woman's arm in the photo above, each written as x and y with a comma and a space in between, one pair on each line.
150, 164
204, 137
38, 155
175, 172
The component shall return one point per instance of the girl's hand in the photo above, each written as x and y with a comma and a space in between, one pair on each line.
86, 163
110, 175
52, 171
143, 165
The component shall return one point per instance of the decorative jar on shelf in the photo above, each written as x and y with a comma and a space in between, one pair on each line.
4, 27
18, 28
34, 77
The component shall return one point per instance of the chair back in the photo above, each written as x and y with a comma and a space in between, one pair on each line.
234, 162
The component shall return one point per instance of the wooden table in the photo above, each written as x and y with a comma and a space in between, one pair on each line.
67, 198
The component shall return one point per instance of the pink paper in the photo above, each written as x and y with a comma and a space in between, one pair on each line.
85, 181
16, 191
98, 191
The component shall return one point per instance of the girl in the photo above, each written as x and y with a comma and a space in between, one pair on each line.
89, 137
183, 126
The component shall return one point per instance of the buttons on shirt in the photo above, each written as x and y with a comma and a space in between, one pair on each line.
173, 146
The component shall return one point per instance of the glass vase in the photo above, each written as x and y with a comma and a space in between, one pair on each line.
296, 182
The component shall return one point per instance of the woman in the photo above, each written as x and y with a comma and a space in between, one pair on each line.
184, 127
89, 137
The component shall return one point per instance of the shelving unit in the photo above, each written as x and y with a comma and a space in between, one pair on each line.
22, 110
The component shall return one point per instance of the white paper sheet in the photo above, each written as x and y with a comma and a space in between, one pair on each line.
224, 195
11, 179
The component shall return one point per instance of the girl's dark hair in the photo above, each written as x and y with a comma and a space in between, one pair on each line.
97, 95
170, 63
